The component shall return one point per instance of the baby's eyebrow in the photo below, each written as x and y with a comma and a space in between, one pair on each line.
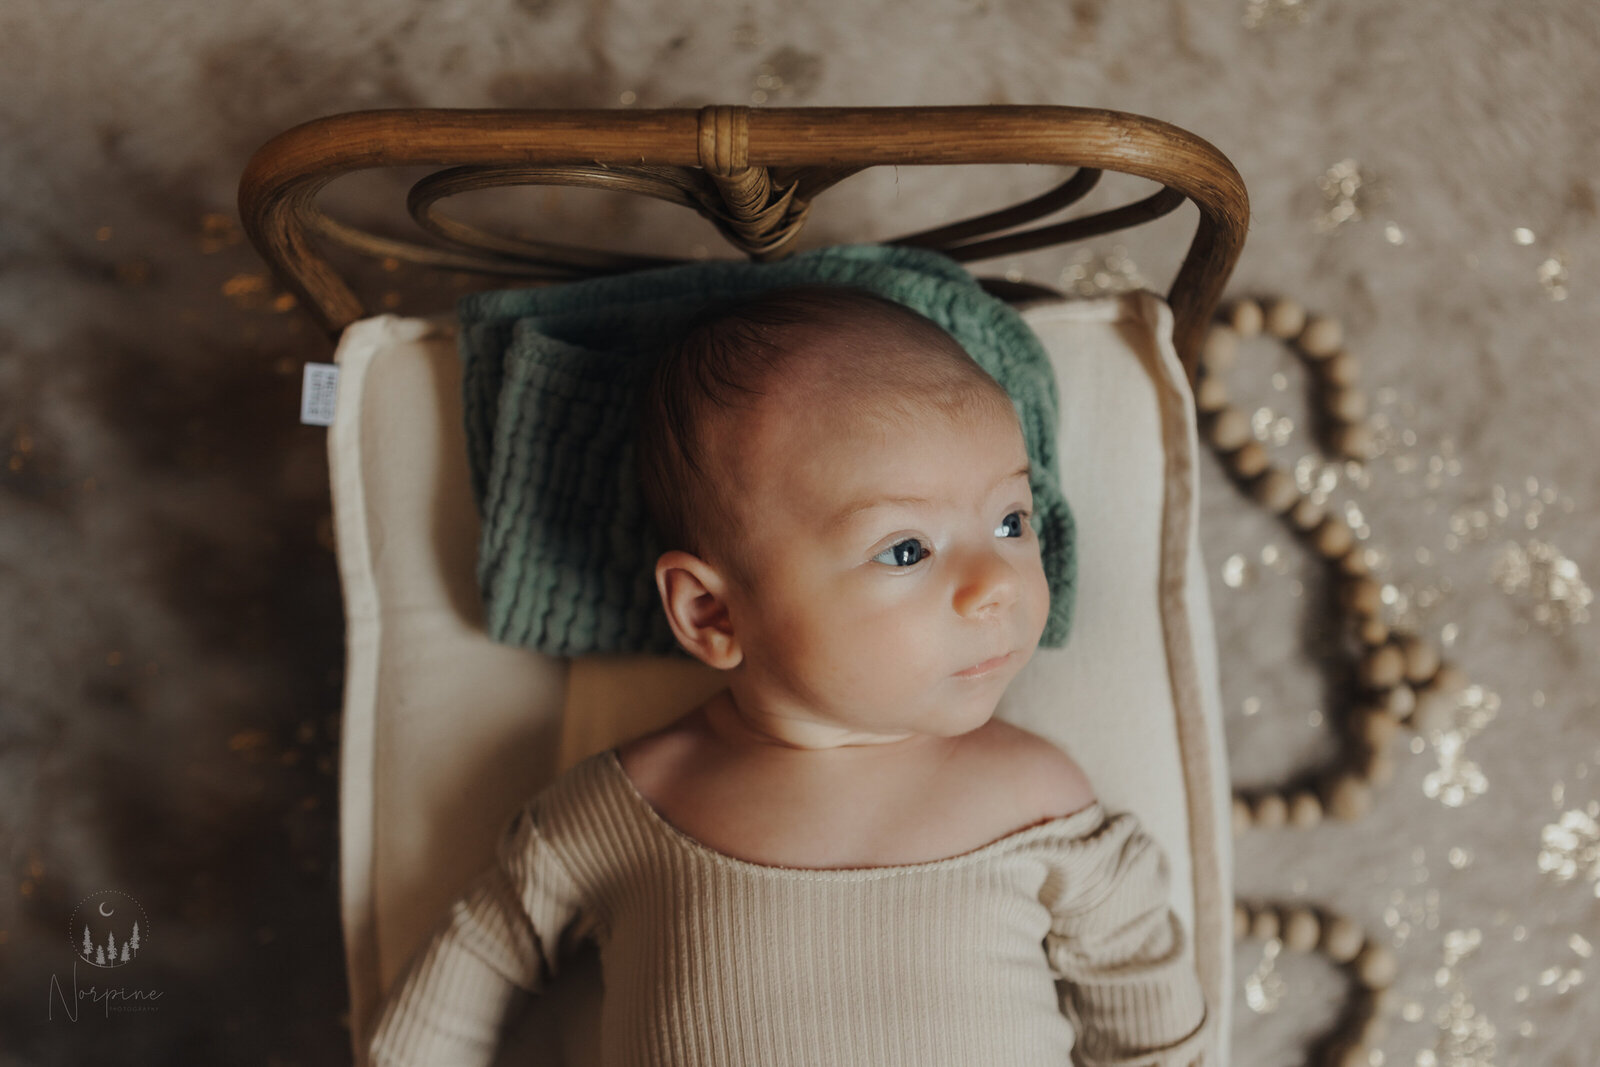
850, 511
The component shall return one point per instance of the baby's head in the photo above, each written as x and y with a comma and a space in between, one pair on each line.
765, 433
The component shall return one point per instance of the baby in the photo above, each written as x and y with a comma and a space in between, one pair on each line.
842, 858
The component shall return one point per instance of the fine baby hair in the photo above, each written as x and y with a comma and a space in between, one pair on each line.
732, 354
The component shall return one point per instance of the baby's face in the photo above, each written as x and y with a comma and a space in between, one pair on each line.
868, 608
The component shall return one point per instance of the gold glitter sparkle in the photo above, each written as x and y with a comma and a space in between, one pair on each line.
1553, 276
1408, 914
1348, 193
786, 74
1263, 987
1271, 427
1466, 1035
1459, 780
1570, 847
1540, 574
1093, 274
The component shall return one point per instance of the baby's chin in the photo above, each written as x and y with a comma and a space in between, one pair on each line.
960, 721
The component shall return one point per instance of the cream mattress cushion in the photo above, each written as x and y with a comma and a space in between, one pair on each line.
446, 732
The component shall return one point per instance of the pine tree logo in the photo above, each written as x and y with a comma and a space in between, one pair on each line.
108, 928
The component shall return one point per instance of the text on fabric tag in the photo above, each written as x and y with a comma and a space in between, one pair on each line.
318, 390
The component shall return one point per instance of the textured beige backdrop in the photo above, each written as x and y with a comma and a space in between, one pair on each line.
169, 696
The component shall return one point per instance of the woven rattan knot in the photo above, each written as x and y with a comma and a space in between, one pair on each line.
724, 140
760, 219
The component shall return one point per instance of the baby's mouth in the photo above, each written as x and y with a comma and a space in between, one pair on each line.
978, 670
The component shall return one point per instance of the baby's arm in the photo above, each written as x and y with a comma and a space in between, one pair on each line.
504, 933
1128, 980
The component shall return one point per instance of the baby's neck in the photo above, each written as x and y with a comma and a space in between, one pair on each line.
726, 725
928, 797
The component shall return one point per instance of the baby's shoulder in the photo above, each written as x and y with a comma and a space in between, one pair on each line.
1043, 779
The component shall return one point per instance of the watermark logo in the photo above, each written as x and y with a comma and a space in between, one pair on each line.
108, 930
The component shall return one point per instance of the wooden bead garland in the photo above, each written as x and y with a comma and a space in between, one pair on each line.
1370, 964
1275, 490
1305, 809
1284, 318
1250, 460
1402, 678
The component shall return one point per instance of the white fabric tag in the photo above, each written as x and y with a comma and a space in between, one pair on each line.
318, 390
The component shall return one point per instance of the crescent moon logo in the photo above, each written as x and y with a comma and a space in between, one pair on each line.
109, 928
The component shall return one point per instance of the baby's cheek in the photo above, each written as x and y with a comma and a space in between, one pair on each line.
1041, 602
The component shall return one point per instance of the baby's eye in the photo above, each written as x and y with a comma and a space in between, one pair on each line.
904, 553
1013, 524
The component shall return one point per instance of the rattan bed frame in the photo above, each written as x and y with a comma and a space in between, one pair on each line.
753, 172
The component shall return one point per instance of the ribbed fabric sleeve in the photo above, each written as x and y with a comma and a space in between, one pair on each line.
1128, 978
507, 932
993, 956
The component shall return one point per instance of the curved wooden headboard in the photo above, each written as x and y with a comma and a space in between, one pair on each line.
752, 172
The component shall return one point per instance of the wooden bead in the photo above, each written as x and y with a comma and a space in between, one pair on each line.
1422, 659
1269, 811
1382, 667
1348, 797
1264, 924
1305, 809
1332, 537
1355, 440
1342, 369
1373, 632
1374, 1028
1354, 564
1320, 337
1400, 702
1219, 349
1341, 939
1241, 815
1362, 596
1347, 405
1377, 766
1250, 460
1276, 491
1307, 514
1348, 1054
1241, 922
1230, 429
1211, 396
1448, 679
1246, 318
1372, 765
1376, 966
1283, 318
1300, 929
1373, 726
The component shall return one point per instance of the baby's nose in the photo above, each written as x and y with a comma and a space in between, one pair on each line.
989, 582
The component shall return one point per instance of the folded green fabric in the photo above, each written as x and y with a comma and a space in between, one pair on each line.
566, 560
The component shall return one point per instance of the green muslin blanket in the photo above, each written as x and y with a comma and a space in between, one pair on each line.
566, 559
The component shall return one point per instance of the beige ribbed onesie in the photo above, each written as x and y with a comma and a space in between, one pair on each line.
1052, 945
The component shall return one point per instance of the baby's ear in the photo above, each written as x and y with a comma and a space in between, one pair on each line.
692, 594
